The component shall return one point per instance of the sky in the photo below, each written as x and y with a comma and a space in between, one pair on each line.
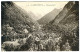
39, 9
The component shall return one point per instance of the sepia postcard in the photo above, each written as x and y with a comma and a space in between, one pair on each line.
39, 25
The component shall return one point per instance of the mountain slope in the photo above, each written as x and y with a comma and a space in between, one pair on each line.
49, 17
66, 23
16, 17
63, 13
68, 17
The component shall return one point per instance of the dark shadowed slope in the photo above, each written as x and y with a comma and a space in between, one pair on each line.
66, 23
15, 17
65, 12
69, 17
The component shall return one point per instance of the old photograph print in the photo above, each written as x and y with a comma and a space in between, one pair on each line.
40, 26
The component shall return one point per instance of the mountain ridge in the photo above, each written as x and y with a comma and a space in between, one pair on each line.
49, 16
